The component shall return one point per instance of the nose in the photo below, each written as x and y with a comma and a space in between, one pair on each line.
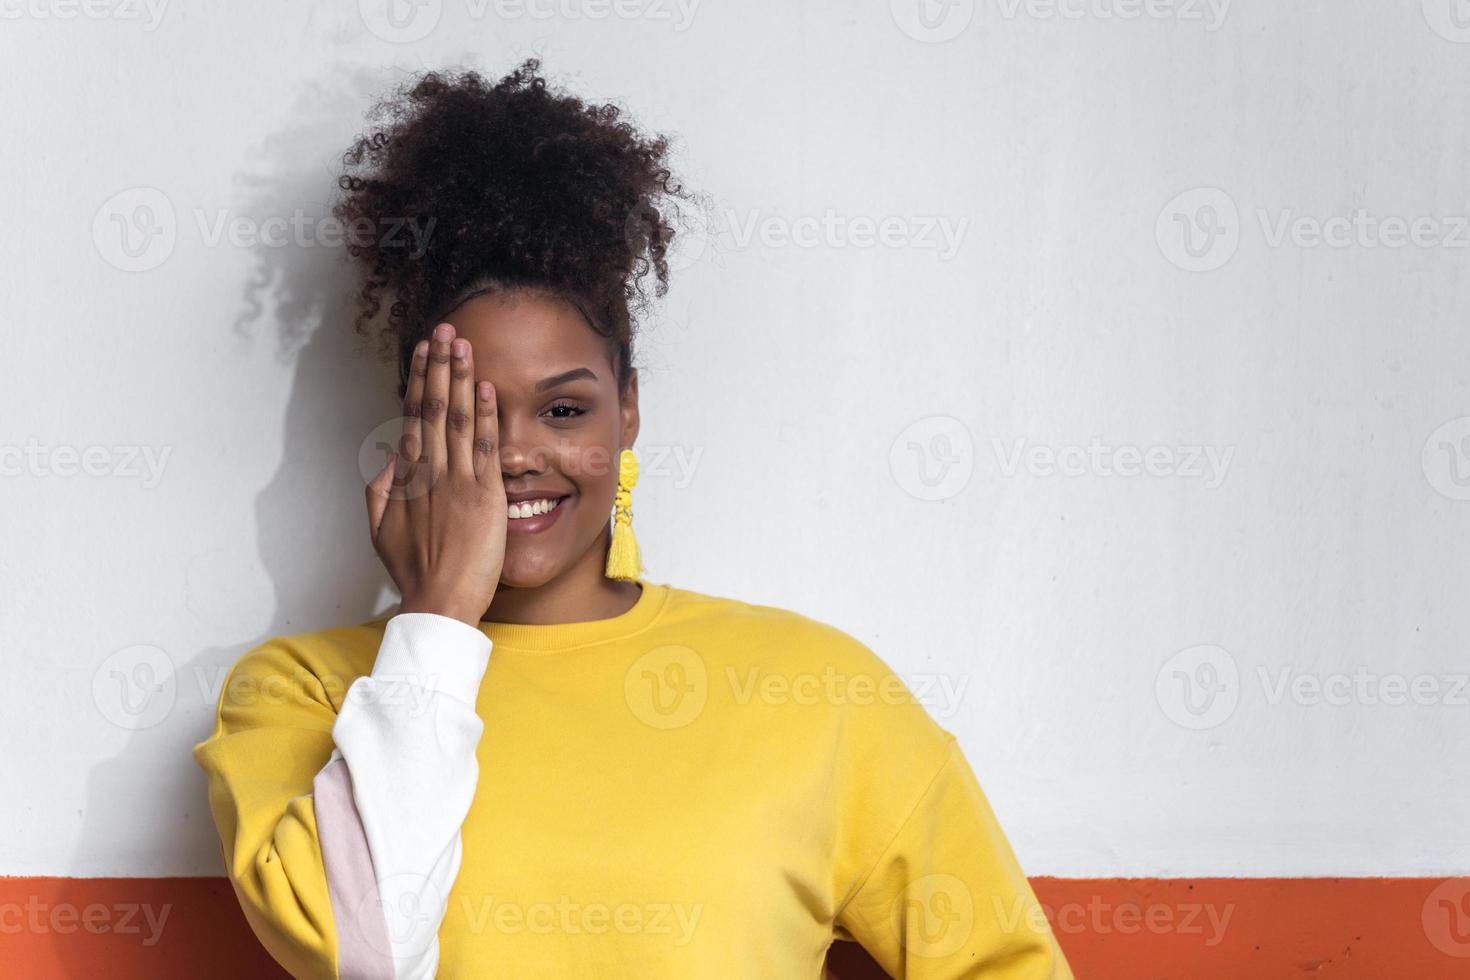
519, 452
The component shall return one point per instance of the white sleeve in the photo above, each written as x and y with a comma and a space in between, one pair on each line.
391, 800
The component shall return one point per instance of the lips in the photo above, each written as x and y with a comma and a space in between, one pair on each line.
538, 522
534, 506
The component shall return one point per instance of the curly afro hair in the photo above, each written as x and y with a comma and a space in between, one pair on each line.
509, 186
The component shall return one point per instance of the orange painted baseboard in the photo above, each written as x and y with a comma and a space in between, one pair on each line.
1111, 929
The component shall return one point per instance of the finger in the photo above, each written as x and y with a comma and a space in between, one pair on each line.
411, 441
379, 491
461, 421
487, 437
436, 402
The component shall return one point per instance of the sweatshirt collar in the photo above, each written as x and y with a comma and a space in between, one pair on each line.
567, 636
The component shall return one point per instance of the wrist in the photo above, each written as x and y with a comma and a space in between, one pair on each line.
465, 612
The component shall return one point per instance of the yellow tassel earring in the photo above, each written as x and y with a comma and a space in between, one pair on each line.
623, 560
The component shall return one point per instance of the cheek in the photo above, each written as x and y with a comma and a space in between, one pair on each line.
591, 465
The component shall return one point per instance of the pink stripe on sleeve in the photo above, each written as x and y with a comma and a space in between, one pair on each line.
363, 950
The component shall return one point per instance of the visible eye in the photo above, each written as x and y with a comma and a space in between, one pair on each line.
568, 407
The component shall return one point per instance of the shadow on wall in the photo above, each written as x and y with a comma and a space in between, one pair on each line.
311, 527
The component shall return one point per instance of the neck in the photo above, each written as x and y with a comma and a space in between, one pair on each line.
581, 593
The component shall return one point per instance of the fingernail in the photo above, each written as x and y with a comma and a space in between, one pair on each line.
442, 332
460, 348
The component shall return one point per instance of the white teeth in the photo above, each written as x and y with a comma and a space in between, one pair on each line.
530, 508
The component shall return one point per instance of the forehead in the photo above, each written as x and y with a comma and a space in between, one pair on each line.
522, 337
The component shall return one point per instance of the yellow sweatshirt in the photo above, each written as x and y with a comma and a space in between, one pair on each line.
697, 788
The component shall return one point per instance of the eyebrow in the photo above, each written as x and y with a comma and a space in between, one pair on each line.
564, 377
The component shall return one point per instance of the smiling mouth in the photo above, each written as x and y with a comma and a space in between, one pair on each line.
534, 508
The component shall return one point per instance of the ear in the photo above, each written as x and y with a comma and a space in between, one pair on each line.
629, 407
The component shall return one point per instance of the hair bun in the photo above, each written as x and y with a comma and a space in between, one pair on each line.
511, 182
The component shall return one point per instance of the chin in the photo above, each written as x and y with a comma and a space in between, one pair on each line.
520, 574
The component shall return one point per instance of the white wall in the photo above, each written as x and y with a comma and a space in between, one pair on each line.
851, 381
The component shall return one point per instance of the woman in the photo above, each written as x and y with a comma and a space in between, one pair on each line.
545, 764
